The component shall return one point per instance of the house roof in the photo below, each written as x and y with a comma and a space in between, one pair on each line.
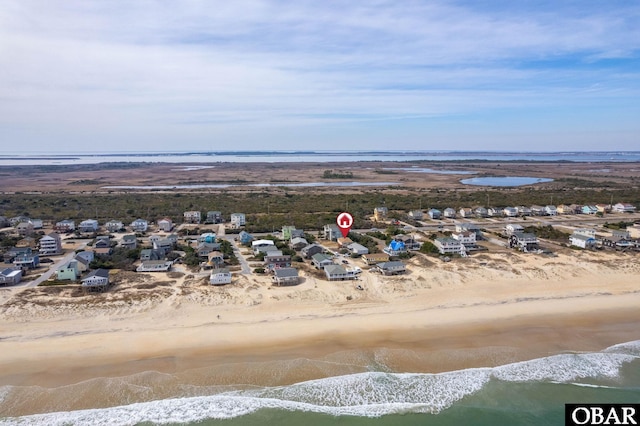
391, 265
582, 237
321, 257
286, 272
334, 270
356, 246
299, 240
102, 273
262, 243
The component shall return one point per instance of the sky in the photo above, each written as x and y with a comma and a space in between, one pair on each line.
87, 76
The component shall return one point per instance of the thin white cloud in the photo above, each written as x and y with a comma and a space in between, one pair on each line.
151, 67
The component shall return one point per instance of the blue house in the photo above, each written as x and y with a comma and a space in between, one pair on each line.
245, 237
435, 214
395, 248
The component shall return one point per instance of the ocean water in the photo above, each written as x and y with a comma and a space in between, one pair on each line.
524, 393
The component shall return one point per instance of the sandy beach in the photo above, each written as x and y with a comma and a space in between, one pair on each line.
481, 311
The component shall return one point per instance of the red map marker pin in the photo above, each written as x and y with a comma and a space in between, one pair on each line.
344, 221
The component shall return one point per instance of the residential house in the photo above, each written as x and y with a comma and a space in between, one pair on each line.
391, 268
151, 255
510, 211
27, 261
97, 280
395, 248
449, 213
410, 243
624, 208
267, 250
344, 242
448, 245
589, 210
14, 221
50, 244
496, 212
215, 259
380, 213
513, 228
207, 237
311, 249
245, 237
214, 217
481, 212
603, 208
331, 232
154, 266
585, 231
258, 244
416, 214
469, 227
10, 276
565, 209
87, 255
375, 258
437, 214
204, 249
102, 247
357, 249
238, 220
173, 238
285, 276
467, 239
165, 224
277, 260
192, 216
27, 242
83, 264
550, 210
114, 226
139, 225
66, 225
524, 211
129, 241
577, 208
24, 229
338, 273
68, 272
37, 223
220, 276
582, 241
466, 213
89, 225
298, 243
14, 252
289, 232
621, 233
523, 241
321, 260
538, 210
164, 245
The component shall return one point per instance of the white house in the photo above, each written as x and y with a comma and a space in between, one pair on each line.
416, 214
220, 276
237, 220
582, 241
551, 210
50, 244
66, 225
510, 211
89, 225
585, 231
513, 228
258, 244
624, 208
448, 246
465, 238
449, 213
10, 276
165, 224
192, 216
114, 226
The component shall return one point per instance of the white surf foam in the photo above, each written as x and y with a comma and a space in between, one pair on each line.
370, 394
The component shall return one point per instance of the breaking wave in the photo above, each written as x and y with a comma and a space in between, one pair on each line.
370, 394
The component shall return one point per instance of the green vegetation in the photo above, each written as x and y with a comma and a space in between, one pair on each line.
618, 225
548, 232
365, 240
120, 258
337, 174
429, 248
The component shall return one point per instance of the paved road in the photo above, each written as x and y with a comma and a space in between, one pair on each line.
236, 251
